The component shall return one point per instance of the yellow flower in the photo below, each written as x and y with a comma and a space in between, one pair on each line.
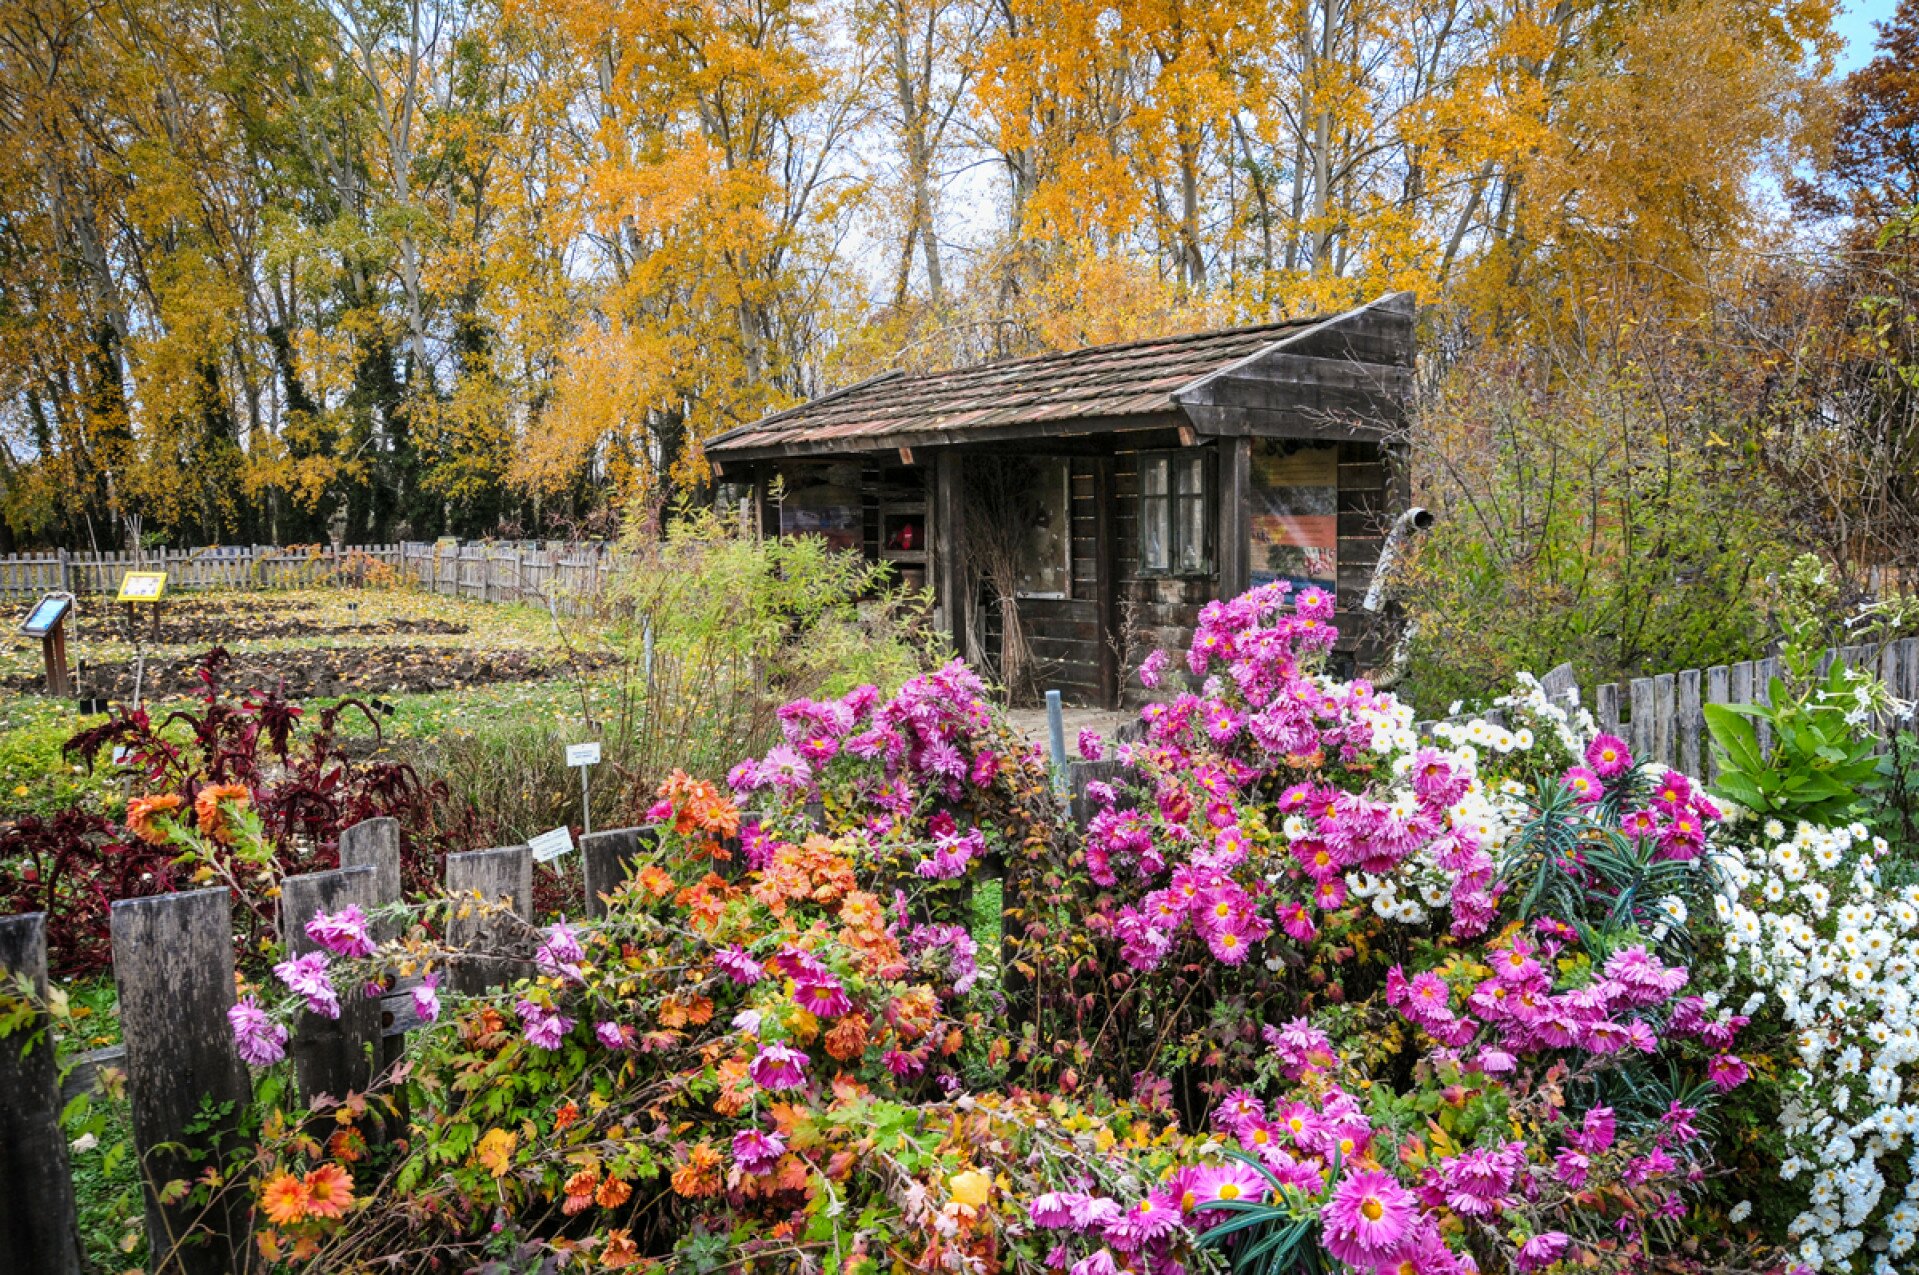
970, 1188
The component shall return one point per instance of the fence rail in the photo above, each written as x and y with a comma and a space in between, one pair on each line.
488, 571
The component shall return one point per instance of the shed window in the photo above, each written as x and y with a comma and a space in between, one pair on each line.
1046, 553
1173, 502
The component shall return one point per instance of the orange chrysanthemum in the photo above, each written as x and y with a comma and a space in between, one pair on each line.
620, 1251
346, 1145
847, 1040
566, 1116
613, 1193
912, 1012
284, 1199
329, 1191
579, 1192
736, 1087
142, 812
209, 809
700, 1175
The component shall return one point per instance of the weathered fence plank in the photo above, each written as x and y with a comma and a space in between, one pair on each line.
1687, 726
1640, 690
1560, 686
503, 875
330, 1055
1663, 709
606, 859
173, 967
375, 843
39, 1227
1606, 707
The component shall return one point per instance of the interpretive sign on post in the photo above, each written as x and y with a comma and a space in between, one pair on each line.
48, 622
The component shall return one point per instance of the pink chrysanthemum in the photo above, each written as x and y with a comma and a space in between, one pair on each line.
778, 1066
1608, 756
426, 999
822, 997
261, 1041
1368, 1217
738, 966
756, 1151
1224, 1184
343, 933
307, 976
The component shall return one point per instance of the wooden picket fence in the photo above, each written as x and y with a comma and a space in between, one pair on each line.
1663, 717
173, 971
487, 571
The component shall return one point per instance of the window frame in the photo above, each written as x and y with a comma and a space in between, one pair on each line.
1174, 459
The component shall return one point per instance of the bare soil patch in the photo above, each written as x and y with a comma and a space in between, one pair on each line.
316, 672
193, 621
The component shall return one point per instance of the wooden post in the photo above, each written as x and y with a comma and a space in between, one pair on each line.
1560, 686
1763, 671
501, 875
1662, 718
375, 843
1078, 775
1235, 533
39, 1229
1640, 692
1606, 707
1105, 586
606, 860
53, 649
330, 1055
173, 967
948, 557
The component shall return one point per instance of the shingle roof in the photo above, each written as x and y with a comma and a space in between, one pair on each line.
1131, 378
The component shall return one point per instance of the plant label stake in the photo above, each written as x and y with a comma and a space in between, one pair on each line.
549, 846
1056, 738
584, 756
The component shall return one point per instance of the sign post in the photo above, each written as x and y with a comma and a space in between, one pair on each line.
48, 622
585, 756
142, 588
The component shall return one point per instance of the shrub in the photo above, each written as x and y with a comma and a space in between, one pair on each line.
300, 783
696, 639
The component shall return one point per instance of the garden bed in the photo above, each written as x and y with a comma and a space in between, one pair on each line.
309, 674
226, 619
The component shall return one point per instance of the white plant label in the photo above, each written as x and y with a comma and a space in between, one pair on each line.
583, 754
549, 846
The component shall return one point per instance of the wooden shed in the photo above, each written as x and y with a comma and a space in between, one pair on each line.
1152, 476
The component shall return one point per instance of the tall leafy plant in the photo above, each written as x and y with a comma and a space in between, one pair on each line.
1820, 764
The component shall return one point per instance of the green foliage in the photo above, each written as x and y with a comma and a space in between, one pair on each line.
1820, 764
1819, 768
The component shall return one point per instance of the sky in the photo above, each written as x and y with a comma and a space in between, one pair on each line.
1855, 24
